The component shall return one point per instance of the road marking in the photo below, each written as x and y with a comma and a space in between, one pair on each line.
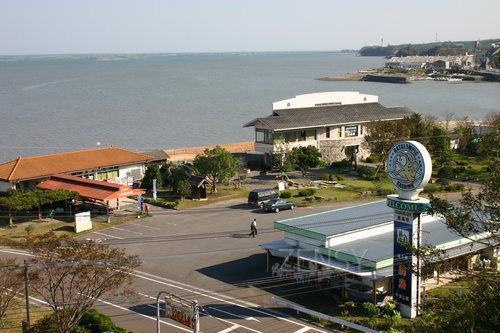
302, 330
134, 232
251, 307
233, 314
143, 315
100, 233
19, 252
229, 329
144, 226
205, 314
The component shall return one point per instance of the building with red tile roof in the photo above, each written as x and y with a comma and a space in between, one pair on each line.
109, 163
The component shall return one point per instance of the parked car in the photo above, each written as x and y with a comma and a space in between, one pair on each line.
258, 197
275, 205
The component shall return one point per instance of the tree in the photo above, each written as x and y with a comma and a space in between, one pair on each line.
382, 135
303, 158
152, 172
10, 283
184, 189
173, 174
16, 201
44, 197
464, 130
476, 310
439, 144
70, 275
217, 164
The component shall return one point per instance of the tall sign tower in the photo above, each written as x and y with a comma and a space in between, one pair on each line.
409, 167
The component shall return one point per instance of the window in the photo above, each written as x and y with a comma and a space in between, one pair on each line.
263, 136
107, 173
351, 131
310, 135
327, 130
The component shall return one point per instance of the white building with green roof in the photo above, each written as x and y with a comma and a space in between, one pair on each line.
351, 249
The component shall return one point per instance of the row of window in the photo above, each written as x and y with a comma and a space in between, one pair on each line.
102, 174
266, 136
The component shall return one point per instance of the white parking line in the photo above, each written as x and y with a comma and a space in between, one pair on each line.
143, 315
302, 330
229, 329
144, 226
195, 290
100, 233
201, 314
134, 232
19, 252
232, 314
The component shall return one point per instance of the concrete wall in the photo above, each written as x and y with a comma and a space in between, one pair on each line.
324, 98
334, 150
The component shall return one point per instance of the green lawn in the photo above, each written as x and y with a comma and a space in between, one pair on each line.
355, 189
224, 192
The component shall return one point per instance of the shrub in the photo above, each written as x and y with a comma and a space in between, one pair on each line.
92, 322
369, 173
373, 159
446, 172
454, 187
286, 194
443, 181
325, 176
384, 192
307, 192
341, 164
97, 322
339, 177
431, 188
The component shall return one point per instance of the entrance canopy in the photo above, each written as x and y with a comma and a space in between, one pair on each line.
87, 188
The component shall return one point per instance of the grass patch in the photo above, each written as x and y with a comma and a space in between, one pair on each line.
224, 192
12, 322
354, 189
18, 234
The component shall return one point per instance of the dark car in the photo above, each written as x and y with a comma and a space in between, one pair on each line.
275, 205
258, 197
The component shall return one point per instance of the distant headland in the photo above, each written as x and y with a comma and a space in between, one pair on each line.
449, 61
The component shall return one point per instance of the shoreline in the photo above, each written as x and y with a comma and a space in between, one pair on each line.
386, 75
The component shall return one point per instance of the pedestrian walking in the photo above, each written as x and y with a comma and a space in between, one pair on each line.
253, 228
147, 209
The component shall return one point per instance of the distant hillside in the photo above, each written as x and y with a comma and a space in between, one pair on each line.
428, 49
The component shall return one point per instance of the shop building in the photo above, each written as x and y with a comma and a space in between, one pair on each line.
111, 164
350, 250
333, 122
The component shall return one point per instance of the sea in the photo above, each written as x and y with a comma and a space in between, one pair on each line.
168, 101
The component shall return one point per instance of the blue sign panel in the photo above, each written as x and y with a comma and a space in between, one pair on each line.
402, 277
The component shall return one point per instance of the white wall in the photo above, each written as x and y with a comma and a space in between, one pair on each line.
136, 170
316, 99
4, 186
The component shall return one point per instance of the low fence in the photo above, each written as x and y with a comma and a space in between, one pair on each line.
189, 154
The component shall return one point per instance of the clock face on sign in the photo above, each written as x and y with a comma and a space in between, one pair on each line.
409, 166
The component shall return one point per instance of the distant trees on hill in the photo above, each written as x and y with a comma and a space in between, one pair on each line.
429, 49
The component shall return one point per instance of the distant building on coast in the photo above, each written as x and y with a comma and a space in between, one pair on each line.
435, 62
333, 122
112, 164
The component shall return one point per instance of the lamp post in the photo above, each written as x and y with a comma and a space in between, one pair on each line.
158, 310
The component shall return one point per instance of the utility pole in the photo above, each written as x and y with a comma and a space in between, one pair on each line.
26, 295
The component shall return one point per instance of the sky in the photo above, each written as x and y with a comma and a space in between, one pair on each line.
172, 26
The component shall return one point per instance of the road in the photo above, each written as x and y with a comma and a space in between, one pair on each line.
202, 254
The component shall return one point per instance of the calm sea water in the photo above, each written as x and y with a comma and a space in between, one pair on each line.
55, 105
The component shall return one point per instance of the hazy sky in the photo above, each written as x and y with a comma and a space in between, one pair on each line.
136, 26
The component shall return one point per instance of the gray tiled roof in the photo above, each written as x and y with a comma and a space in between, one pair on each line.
330, 115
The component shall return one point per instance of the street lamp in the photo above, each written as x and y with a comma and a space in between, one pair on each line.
158, 310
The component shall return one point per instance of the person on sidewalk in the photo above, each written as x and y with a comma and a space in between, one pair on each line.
253, 228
